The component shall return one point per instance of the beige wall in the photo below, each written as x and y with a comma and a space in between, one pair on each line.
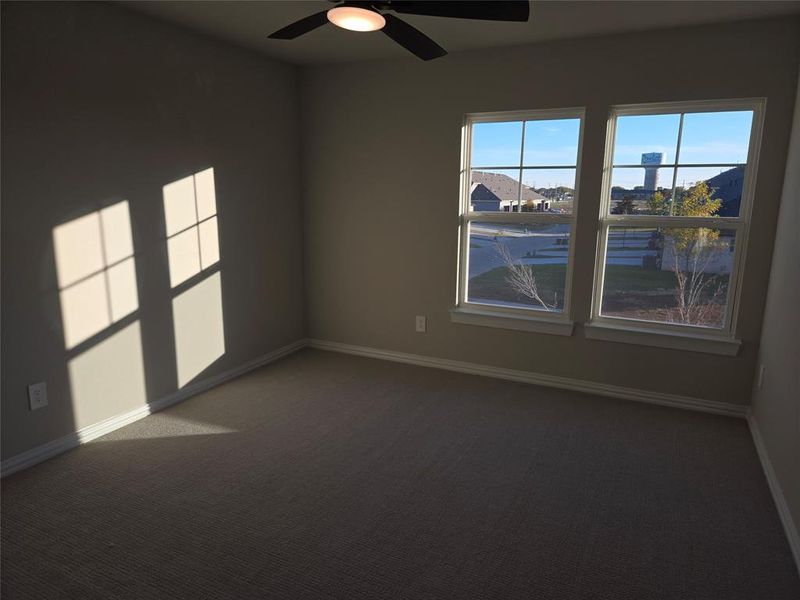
100, 104
776, 405
381, 161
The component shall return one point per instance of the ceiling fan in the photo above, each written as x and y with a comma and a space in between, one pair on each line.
372, 16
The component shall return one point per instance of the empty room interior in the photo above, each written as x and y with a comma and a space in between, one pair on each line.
400, 299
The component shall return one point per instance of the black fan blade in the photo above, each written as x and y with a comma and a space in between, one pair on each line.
412, 39
300, 27
491, 10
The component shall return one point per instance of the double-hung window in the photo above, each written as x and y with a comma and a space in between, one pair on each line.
676, 201
519, 194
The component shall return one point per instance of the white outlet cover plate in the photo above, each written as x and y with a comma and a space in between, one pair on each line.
37, 395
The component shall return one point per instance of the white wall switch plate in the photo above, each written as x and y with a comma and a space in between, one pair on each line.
37, 395
422, 324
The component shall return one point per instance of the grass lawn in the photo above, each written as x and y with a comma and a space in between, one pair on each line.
649, 294
626, 279
492, 285
629, 291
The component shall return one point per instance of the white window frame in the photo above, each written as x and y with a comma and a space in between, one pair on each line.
625, 329
507, 317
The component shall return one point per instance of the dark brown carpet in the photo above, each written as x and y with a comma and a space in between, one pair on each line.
328, 476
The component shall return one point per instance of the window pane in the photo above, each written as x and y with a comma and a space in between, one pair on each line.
494, 190
496, 144
668, 275
518, 265
551, 142
640, 139
637, 191
716, 137
702, 191
549, 190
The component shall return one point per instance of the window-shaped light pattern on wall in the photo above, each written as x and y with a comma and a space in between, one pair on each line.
190, 212
199, 332
96, 272
108, 377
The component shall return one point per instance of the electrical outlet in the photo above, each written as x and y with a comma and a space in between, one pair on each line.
761, 377
37, 395
422, 324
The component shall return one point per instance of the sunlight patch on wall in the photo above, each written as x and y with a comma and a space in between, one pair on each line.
184, 256
190, 209
84, 309
198, 325
108, 378
96, 272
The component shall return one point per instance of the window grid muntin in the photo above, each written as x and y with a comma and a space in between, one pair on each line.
521, 310
741, 222
466, 216
677, 164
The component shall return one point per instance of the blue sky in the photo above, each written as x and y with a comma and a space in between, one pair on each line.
547, 143
720, 137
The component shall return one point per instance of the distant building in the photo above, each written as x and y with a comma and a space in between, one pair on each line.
482, 199
638, 193
727, 186
498, 192
651, 162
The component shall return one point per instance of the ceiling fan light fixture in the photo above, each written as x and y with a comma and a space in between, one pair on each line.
356, 19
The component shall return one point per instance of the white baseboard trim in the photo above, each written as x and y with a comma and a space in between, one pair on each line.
566, 383
86, 434
789, 526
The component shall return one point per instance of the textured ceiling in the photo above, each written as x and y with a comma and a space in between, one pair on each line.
248, 24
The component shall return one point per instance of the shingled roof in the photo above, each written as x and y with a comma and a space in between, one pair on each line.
505, 187
727, 186
480, 193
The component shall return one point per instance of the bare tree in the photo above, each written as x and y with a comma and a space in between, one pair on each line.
521, 277
697, 293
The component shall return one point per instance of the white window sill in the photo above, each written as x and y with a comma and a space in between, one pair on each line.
486, 318
691, 341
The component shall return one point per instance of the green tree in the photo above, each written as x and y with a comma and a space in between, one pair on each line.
658, 204
692, 249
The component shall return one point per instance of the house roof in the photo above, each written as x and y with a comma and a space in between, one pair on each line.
480, 193
504, 187
727, 186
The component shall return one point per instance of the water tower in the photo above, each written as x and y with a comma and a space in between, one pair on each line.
651, 161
